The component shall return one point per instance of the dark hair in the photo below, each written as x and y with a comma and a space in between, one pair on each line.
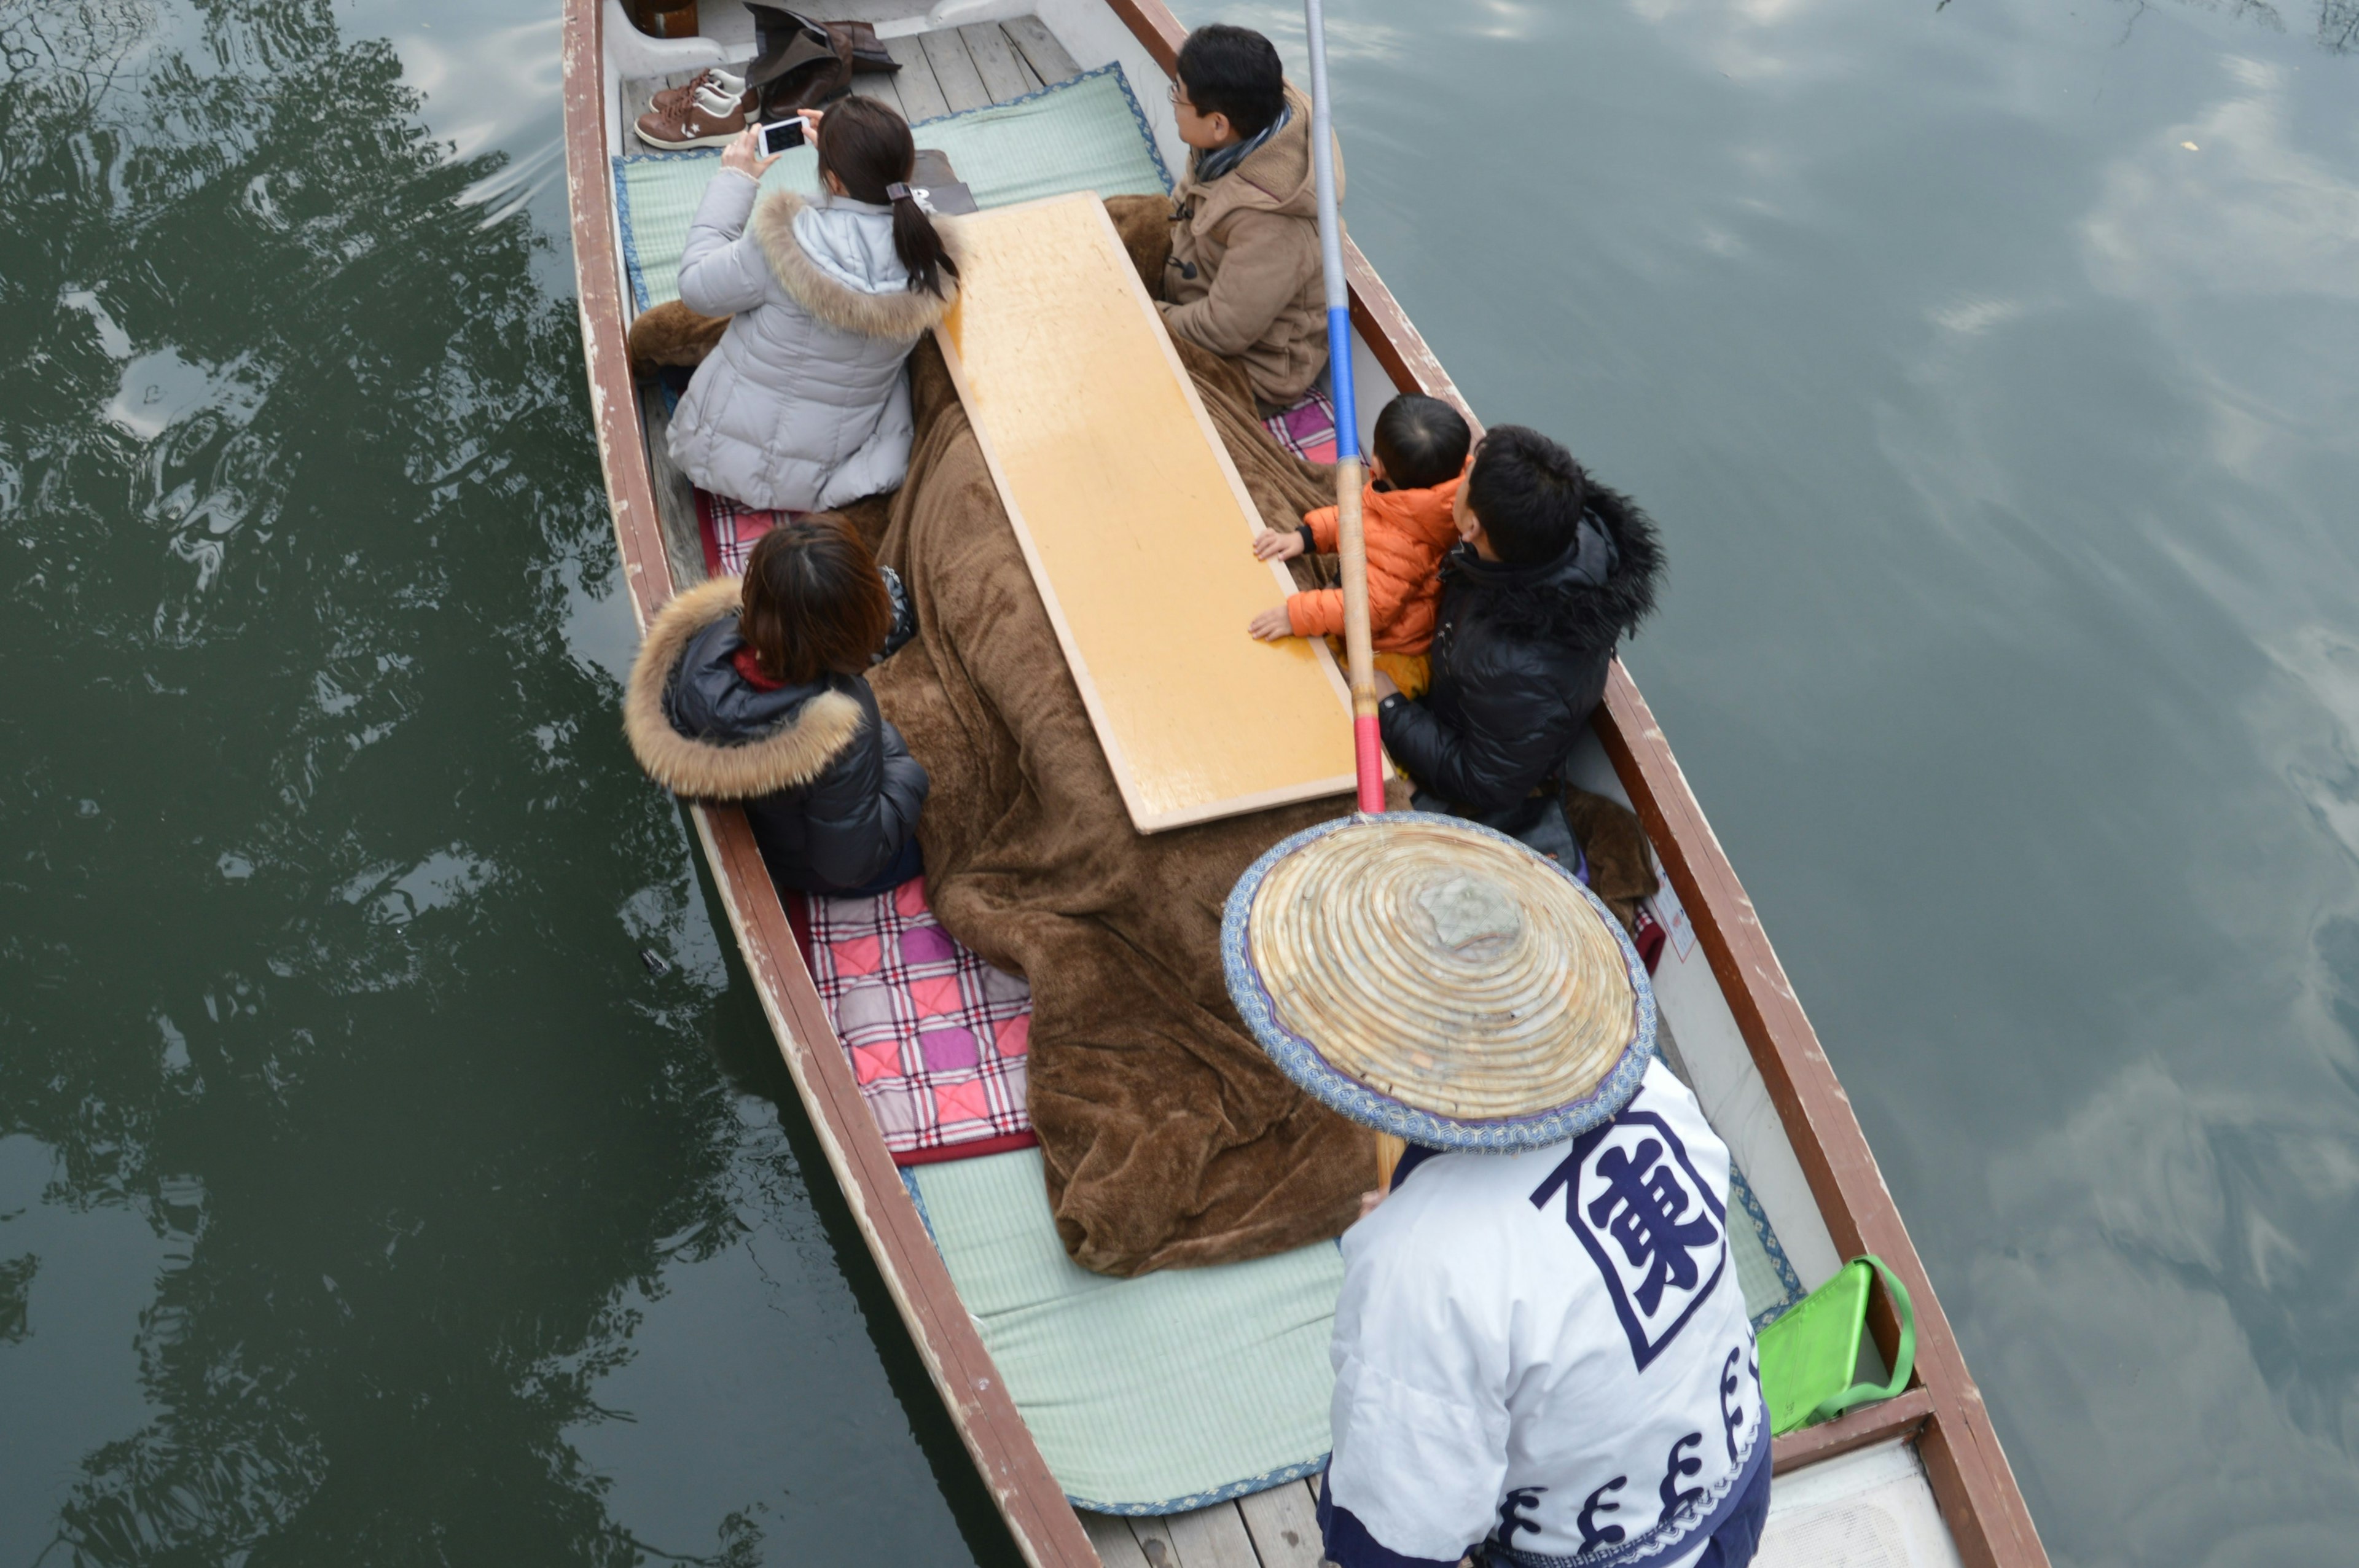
1422, 441
867, 147
814, 602
1528, 493
1234, 71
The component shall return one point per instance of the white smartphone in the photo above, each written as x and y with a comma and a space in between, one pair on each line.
781, 134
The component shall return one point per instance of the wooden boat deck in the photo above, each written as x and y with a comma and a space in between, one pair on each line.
942, 72
1277, 1528
1766, 1083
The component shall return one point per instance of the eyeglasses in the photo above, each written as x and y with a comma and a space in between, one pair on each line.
1180, 102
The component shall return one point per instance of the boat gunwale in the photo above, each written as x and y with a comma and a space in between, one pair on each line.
1971, 1481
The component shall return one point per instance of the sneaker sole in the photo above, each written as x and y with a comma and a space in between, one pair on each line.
720, 141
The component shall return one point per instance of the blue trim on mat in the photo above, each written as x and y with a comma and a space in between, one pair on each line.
1230, 1493
1122, 79
909, 1180
1740, 1191
1145, 131
623, 223
1300, 1060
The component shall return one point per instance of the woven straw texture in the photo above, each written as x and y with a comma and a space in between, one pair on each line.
1151, 1395
1444, 968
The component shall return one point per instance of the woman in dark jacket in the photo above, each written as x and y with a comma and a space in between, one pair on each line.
754, 693
1554, 569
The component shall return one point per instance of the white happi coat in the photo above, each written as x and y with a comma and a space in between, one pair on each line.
1550, 1349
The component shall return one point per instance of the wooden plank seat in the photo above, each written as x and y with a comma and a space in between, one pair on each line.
1273, 1529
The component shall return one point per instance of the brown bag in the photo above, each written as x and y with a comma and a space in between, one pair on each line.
799, 64
1621, 868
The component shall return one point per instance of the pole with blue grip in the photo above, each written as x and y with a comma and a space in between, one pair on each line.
1350, 543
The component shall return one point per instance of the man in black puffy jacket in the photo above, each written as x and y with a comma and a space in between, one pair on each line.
1553, 571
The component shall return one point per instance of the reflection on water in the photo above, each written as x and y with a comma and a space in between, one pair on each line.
1989, 367
363, 1197
2337, 25
350, 1160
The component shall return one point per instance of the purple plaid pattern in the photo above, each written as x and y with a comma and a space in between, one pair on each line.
1307, 429
938, 1038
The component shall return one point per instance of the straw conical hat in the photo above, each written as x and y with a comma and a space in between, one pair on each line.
1432, 978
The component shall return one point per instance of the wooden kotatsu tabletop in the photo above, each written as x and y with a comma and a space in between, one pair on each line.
1137, 529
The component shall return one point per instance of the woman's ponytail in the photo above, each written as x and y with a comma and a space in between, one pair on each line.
868, 148
918, 241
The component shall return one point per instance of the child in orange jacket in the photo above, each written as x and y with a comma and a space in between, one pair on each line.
1416, 458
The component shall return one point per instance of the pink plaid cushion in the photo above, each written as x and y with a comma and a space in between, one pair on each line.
938, 1038
729, 531
1307, 429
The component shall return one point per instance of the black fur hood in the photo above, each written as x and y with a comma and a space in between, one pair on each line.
1589, 598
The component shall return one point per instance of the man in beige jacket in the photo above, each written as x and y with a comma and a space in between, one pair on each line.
1243, 280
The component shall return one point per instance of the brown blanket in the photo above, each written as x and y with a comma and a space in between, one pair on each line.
1169, 1138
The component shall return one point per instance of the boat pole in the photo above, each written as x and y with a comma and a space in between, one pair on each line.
1351, 540
1352, 544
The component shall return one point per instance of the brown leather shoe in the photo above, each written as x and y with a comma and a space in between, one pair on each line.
814, 85
694, 124
802, 64
773, 24
671, 100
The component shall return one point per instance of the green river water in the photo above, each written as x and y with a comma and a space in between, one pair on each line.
365, 1198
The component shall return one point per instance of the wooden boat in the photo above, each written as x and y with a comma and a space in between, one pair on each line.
1919, 1478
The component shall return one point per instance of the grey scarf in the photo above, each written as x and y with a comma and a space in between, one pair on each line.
1211, 163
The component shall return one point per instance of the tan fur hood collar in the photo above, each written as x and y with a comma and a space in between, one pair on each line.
791, 755
1276, 177
911, 313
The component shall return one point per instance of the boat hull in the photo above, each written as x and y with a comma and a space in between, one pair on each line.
1943, 1413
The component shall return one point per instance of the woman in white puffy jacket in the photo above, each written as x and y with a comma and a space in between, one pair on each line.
804, 405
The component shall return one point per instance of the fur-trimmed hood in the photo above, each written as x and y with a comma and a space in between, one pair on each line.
897, 313
818, 724
1576, 599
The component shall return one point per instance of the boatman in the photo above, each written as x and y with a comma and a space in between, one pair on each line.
1547, 1352
1542, 1356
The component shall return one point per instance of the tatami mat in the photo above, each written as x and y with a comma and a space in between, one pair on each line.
1087, 134
1170, 1391
1182, 1387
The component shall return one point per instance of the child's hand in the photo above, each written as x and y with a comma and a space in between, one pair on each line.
1271, 624
1272, 544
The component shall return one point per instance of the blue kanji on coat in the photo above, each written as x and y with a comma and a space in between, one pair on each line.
1655, 1227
